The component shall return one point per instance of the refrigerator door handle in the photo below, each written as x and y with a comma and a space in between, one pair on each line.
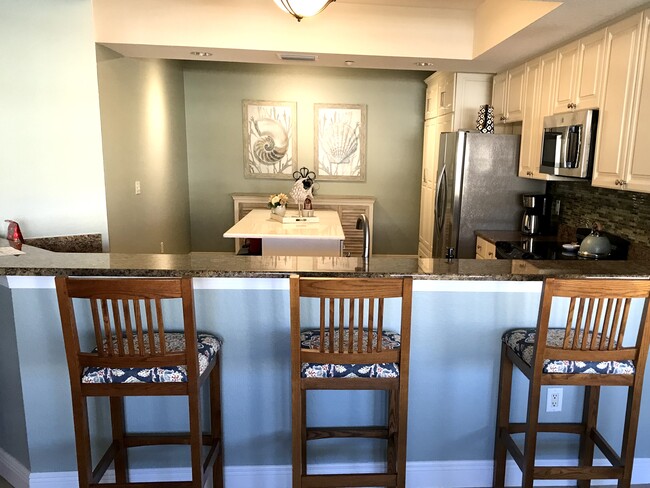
441, 198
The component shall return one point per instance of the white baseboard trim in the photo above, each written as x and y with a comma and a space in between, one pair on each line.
427, 474
13, 471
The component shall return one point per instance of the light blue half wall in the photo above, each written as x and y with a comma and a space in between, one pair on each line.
453, 385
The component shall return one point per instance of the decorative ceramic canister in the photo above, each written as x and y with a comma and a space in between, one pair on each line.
485, 119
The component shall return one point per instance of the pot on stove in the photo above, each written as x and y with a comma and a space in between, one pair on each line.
595, 245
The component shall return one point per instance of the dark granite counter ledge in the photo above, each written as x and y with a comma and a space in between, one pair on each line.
36, 262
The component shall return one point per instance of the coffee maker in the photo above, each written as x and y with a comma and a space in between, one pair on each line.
537, 214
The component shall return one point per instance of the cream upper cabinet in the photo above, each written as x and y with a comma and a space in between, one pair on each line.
578, 83
508, 95
538, 103
637, 175
440, 94
515, 94
499, 97
615, 145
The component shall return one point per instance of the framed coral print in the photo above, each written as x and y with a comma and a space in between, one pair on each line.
340, 142
270, 147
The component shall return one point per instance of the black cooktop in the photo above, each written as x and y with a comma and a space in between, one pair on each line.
533, 247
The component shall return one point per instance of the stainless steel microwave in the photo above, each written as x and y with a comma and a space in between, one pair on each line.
568, 143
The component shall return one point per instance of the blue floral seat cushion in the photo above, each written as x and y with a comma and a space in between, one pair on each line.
522, 342
310, 339
208, 346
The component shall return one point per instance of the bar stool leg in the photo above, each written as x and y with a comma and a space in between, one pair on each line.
589, 420
117, 423
530, 441
391, 449
82, 439
630, 431
503, 419
194, 399
216, 425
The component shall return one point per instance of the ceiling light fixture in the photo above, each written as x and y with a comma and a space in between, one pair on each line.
303, 8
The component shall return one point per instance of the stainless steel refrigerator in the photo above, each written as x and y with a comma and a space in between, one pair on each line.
477, 188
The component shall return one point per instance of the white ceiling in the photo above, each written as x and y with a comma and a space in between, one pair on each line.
384, 34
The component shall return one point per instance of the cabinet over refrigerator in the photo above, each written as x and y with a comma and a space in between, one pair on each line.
477, 188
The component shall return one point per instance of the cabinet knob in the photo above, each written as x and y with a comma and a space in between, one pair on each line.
571, 105
503, 118
623, 183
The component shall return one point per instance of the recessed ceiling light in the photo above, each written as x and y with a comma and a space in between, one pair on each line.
423, 63
349, 63
202, 54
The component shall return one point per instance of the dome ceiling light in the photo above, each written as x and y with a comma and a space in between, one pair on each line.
303, 8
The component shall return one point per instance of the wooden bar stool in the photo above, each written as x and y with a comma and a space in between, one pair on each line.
596, 347
350, 350
134, 353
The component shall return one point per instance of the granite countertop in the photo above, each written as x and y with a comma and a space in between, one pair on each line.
38, 262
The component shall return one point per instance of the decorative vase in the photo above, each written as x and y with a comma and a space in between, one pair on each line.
279, 210
485, 119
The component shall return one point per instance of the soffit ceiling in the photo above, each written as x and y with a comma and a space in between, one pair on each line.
456, 35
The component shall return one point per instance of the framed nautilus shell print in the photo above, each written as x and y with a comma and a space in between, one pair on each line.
340, 141
270, 146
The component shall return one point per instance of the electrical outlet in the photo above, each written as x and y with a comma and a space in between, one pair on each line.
138, 190
554, 400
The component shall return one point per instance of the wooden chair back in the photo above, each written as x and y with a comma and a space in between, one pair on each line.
596, 322
348, 308
128, 323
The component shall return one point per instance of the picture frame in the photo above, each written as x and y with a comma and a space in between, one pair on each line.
270, 140
340, 142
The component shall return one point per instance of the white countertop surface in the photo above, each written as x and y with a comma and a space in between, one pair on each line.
259, 224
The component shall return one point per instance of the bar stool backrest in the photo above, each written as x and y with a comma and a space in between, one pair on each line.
347, 309
596, 322
128, 323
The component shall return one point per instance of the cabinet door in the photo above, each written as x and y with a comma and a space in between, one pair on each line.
637, 175
529, 155
619, 75
567, 63
498, 97
590, 71
540, 74
515, 94
433, 89
432, 130
447, 83
429, 159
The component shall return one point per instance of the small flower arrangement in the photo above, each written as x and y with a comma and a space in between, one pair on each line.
277, 200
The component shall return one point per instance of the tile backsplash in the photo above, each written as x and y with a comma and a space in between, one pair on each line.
624, 213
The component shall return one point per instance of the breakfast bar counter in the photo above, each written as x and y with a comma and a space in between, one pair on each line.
460, 310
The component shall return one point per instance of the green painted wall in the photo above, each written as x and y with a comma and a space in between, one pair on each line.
213, 102
143, 132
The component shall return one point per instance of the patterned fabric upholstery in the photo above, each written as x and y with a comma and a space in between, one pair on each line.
310, 339
522, 342
208, 346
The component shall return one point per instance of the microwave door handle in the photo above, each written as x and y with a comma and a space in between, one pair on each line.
441, 199
572, 148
